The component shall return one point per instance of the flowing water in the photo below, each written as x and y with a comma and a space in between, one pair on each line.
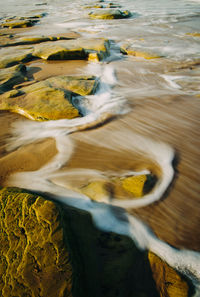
143, 119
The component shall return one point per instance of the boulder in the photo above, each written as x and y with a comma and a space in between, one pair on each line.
17, 56
73, 49
51, 99
110, 14
35, 259
169, 282
12, 76
133, 51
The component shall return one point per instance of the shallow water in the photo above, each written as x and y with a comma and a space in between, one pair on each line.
145, 116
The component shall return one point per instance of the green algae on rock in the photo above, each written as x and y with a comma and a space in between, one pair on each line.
169, 282
34, 255
50, 99
12, 76
72, 50
110, 14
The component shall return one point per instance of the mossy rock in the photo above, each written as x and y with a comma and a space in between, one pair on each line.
17, 56
132, 51
79, 49
52, 99
169, 282
110, 14
34, 255
12, 76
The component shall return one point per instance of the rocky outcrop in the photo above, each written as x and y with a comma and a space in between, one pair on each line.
73, 50
34, 254
110, 14
17, 56
22, 22
136, 52
12, 76
18, 24
52, 99
11, 40
169, 282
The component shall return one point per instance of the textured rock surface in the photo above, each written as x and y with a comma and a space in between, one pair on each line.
34, 257
110, 14
169, 282
51, 99
9, 58
18, 24
132, 51
72, 50
12, 76
11, 40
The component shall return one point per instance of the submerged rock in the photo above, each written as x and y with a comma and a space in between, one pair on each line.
50, 99
34, 254
132, 51
17, 56
110, 14
12, 76
72, 50
168, 281
119, 187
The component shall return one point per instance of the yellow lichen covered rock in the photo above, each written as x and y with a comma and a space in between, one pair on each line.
12, 76
18, 24
34, 256
9, 58
134, 184
130, 50
168, 281
51, 99
109, 14
194, 34
72, 49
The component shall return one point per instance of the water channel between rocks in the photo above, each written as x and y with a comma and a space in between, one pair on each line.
143, 119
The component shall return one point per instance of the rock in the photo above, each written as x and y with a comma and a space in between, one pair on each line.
99, 190
108, 264
110, 14
132, 51
18, 23
8, 41
194, 34
119, 187
12, 76
50, 99
168, 281
17, 56
72, 49
134, 184
34, 254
